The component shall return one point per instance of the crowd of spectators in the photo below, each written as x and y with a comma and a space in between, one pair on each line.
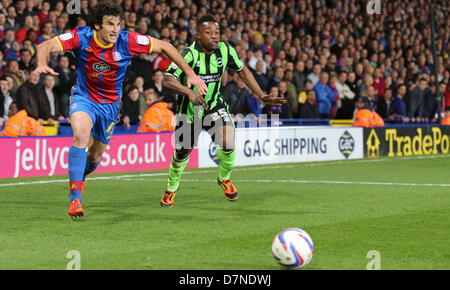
321, 55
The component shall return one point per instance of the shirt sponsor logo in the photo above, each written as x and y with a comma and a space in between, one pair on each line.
101, 67
211, 78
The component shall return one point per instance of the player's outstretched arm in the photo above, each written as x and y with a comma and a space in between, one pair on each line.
175, 85
172, 52
247, 77
43, 56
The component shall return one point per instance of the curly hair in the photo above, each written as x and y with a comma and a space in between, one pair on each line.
104, 8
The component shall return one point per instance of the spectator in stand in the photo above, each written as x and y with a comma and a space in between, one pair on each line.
347, 98
309, 109
315, 74
46, 32
385, 106
139, 83
44, 12
260, 76
277, 77
26, 60
52, 97
13, 71
445, 92
332, 84
66, 79
30, 8
161, 62
168, 96
299, 76
20, 124
6, 43
430, 107
130, 114
326, 98
416, 101
379, 83
292, 92
283, 111
20, 9
290, 97
61, 25
21, 34
13, 53
400, 112
158, 117
31, 97
11, 21
371, 98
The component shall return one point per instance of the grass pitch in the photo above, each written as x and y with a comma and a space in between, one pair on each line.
398, 207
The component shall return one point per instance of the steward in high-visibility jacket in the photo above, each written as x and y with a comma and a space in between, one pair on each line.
20, 124
446, 119
158, 117
365, 117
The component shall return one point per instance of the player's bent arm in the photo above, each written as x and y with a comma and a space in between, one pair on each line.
174, 84
172, 52
43, 55
247, 77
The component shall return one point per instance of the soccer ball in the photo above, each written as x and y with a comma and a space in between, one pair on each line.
293, 248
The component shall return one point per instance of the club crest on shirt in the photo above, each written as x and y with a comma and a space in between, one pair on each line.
219, 62
117, 56
101, 67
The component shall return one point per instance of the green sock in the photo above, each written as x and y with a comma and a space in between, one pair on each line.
226, 163
175, 171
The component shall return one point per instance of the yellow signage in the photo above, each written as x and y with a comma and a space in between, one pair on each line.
420, 144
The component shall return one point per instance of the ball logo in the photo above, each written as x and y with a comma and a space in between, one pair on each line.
101, 67
346, 144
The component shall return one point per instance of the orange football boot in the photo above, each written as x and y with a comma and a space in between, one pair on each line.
229, 189
168, 199
75, 209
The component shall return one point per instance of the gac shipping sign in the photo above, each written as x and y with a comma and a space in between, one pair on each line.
406, 141
286, 144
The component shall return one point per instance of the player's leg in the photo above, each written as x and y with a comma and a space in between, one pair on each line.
179, 161
81, 124
219, 124
226, 154
94, 156
185, 139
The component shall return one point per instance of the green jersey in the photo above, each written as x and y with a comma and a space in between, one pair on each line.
210, 68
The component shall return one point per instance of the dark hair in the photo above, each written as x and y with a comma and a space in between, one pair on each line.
206, 18
105, 8
131, 88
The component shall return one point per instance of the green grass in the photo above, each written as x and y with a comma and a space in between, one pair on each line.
125, 227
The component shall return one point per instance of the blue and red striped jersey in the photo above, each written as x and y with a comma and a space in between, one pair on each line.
101, 69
